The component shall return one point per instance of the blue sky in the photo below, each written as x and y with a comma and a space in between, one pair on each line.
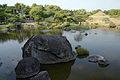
71, 4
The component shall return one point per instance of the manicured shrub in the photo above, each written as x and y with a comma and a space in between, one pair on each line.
11, 26
53, 25
66, 24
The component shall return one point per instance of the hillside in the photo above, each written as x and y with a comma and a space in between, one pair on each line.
101, 18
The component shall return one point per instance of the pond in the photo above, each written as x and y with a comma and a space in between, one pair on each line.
105, 43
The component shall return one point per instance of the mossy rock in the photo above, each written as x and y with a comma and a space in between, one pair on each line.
81, 51
2, 78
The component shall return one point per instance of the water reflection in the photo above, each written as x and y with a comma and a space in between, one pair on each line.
78, 37
21, 35
83, 56
104, 43
102, 66
58, 71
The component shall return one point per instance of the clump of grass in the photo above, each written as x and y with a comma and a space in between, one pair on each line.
82, 51
79, 26
2, 28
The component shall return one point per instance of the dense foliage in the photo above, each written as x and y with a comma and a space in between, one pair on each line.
49, 15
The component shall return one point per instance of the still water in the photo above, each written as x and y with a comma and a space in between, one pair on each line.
105, 43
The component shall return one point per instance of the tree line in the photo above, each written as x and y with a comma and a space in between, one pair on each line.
49, 13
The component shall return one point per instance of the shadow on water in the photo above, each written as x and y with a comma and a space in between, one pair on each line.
58, 71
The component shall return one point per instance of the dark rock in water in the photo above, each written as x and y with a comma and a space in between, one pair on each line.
49, 49
0, 62
27, 67
79, 46
95, 58
41, 76
99, 59
66, 29
86, 34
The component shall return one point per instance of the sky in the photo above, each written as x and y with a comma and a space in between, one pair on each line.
89, 5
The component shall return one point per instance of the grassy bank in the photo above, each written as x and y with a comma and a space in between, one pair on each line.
78, 26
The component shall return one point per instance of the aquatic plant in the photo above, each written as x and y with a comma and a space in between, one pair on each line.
82, 51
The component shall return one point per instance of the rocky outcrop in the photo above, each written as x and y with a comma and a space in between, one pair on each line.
43, 75
49, 49
98, 59
27, 67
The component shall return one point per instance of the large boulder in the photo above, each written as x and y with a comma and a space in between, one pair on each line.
27, 67
43, 75
49, 49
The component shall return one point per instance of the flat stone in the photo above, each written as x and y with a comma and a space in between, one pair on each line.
98, 59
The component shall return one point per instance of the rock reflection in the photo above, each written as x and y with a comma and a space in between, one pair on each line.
21, 35
102, 66
0, 62
78, 37
83, 56
58, 71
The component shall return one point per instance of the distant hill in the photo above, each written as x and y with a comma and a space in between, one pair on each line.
101, 18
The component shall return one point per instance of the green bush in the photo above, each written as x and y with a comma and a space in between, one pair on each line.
66, 24
96, 23
112, 25
13, 19
53, 25
81, 51
106, 20
11, 26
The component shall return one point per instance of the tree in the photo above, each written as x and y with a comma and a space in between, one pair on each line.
79, 19
52, 8
95, 11
33, 5
17, 7
80, 12
2, 15
59, 16
37, 13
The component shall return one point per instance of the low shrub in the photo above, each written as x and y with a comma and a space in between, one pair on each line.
112, 25
66, 24
53, 25
11, 26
